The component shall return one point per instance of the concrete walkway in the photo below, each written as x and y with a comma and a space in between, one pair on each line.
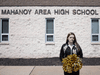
45, 70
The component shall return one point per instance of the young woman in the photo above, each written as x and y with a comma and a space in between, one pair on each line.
71, 47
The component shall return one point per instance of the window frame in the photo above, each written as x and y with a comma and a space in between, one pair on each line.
49, 33
1, 34
95, 33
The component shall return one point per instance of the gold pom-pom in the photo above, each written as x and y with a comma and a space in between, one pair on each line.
72, 63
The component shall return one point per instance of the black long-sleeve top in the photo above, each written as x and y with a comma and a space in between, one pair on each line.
66, 50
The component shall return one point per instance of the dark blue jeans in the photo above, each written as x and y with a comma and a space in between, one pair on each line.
73, 73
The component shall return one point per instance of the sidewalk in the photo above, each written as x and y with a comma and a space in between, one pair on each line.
45, 70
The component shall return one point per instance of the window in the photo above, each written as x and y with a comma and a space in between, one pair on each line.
4, 30
49, 30
95, 30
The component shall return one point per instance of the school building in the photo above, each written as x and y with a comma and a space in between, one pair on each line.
38, 28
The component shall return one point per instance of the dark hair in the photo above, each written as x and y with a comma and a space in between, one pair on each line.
74, 42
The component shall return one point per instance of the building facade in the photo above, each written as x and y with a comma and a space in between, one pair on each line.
37, 29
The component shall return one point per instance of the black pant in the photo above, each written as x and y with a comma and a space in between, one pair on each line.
73, 73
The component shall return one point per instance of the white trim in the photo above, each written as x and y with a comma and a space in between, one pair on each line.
98, 37
95, 43
91, 29
4, 43
95, 34
99, 30
0, 28
54, 29
4, 33
49, 42
49, 34
92, 42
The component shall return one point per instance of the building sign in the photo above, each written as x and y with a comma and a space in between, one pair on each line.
85, 12
15, 12
48, 12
